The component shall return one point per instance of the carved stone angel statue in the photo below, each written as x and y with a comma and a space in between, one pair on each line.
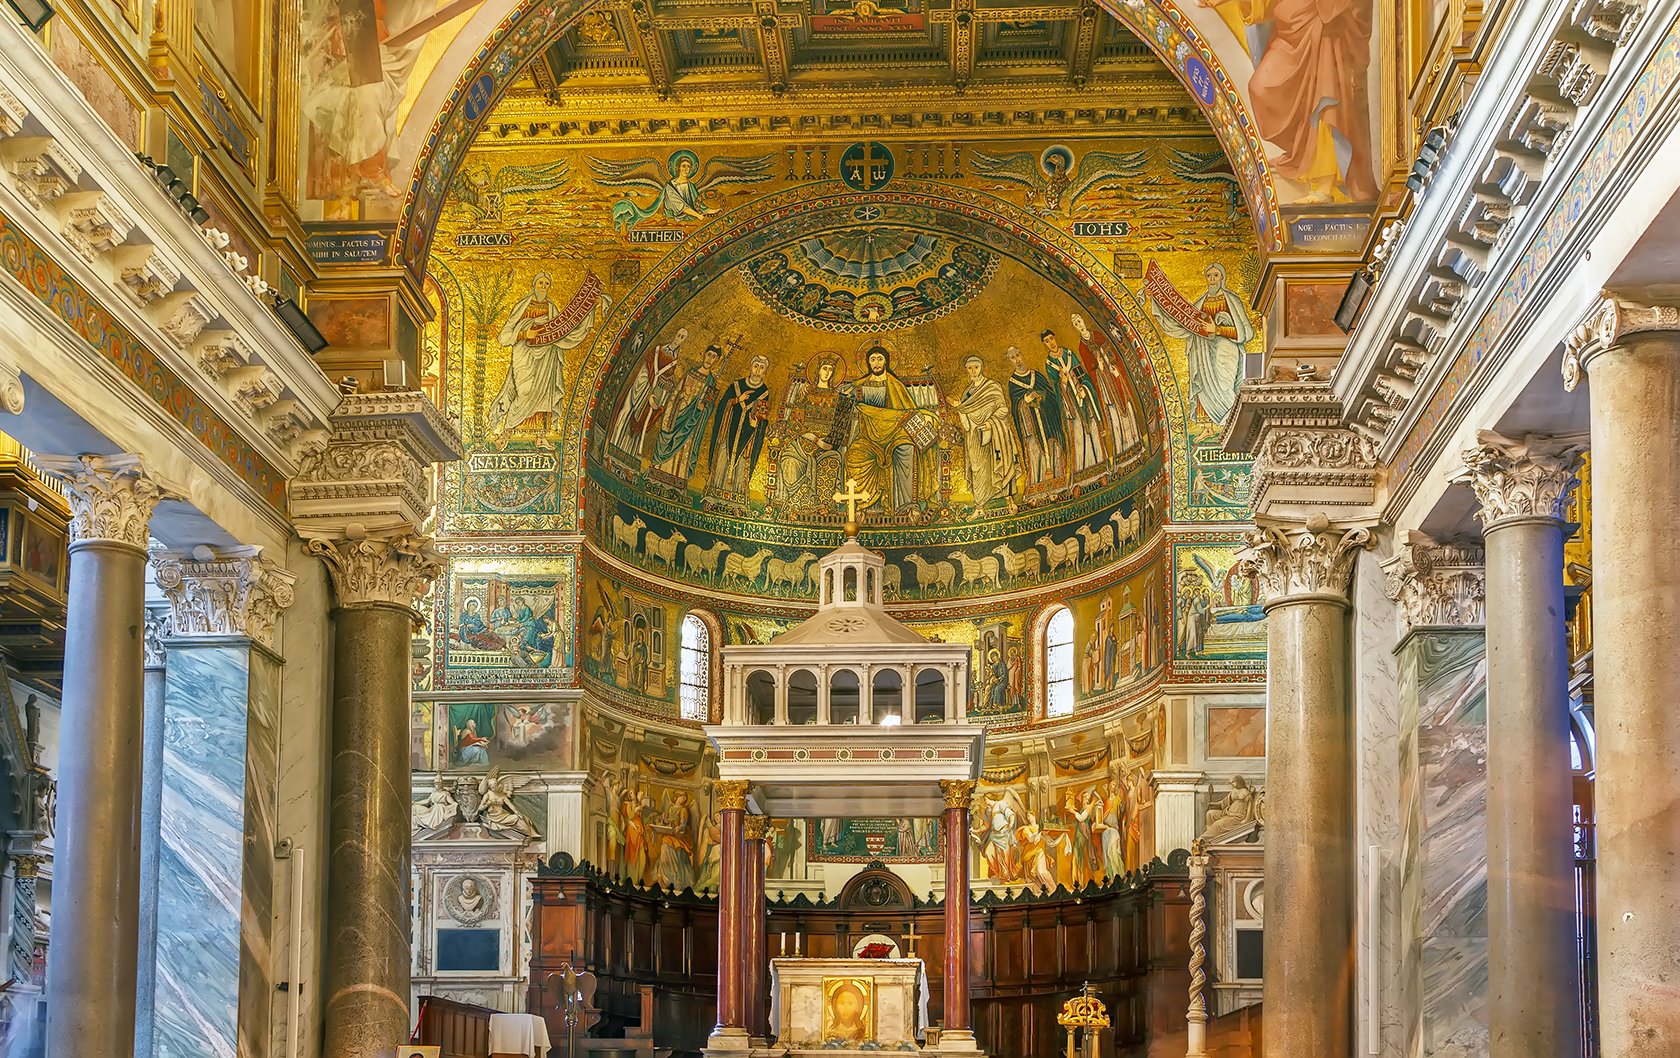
496, 809
437, 809
1234, 812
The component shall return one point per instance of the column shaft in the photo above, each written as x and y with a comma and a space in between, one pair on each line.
92, 988
151, 835
368, 833
958, 1019
1309, 958
730, 1032
1636, 661
756, 973
1533, 983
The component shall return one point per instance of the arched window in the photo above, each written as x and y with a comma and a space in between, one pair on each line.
1058, 664
694, 689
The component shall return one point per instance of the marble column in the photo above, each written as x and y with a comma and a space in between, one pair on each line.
151, 814
757, 971
1533, 983
1632, 353
1305, 569
376, 582
92, 989
730, 1034
1442, 799
220, 764
958, 1034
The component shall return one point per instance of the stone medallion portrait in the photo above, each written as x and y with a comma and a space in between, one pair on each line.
469, 899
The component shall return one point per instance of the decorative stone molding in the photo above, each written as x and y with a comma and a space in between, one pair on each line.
1455, 237
374, 469
731, 794
958, 792
1305, 460
111, 497
157, 629
1312, 558
1437, 584
396, 569
1611, 322
66, 178
226, 592
1531, 478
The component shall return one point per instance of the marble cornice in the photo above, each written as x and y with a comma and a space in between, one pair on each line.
1306, 460
73, 186
223, 592
1528, 478
1552, 66
1611, 323
1437, 584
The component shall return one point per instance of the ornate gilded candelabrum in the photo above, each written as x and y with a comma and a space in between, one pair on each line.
1084, 1016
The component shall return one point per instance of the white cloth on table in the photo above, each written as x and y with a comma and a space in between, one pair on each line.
518, 1034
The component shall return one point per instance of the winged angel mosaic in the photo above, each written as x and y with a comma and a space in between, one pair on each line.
680, 184
1054, 183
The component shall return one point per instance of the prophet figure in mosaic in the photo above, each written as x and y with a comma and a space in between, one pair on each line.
538, 334
990, 448
1216, 329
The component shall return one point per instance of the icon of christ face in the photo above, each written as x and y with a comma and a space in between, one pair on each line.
847, 1014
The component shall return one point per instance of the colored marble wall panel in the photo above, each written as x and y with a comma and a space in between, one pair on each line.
1236, 731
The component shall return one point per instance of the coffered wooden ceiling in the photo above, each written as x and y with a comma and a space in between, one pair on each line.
813, 66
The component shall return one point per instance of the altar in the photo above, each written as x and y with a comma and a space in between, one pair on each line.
834, 1006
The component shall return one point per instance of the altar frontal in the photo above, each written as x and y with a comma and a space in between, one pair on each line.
836, 1006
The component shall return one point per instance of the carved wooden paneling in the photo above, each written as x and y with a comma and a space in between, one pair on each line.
1028, 955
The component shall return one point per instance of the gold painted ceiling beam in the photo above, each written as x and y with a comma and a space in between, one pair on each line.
650, 44
1087, 28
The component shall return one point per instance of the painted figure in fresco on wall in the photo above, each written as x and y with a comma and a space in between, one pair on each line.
738, 427
884, 454
471, 629
1079, 401
354, 79
990, 449
1309, 91
781, 847
650, 389
675, 828
471, 748
1114, 829
709, 855
538, 334
615, 819
1037, 408
1082, 813
1036, 851
679, 184
1102, 365
996, 834
811, 434
1106, 646
1215, 338
677, 451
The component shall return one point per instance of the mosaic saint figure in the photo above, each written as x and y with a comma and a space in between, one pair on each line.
649, 390
536, 379
1079, 401
991, 452
812, 432
677, 450
1215, 341
679, 184
1037, 409
882, 456
471, 629
738, 426
1102, 364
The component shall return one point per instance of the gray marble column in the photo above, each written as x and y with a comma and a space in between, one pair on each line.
1533, 982
1305, 569
219, 777
151, 814
1632, 353
91, 990
376, 581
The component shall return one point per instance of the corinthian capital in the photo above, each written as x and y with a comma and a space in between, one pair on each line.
1438, 584
1310, 558
1530, 478
396, 569
1610, 323
228, 592
111, 497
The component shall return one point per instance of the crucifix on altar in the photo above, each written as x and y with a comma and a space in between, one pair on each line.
851, 496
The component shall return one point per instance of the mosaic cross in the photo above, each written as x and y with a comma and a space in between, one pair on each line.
851, 497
